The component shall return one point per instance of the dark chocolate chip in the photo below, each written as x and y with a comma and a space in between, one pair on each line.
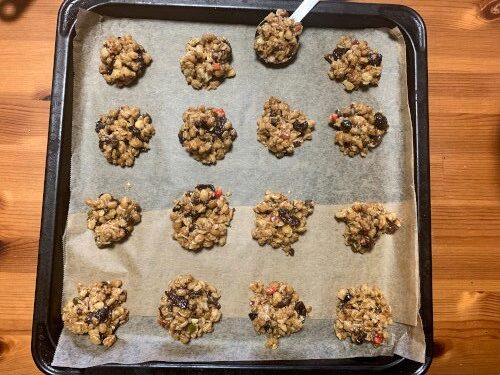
347, 297
346, 125
252, 315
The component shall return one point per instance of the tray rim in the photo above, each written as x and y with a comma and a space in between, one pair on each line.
411, 25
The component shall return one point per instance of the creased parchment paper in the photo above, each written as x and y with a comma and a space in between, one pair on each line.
322, 263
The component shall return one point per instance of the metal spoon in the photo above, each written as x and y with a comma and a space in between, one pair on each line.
302, 10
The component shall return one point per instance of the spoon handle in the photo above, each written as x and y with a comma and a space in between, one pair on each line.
304, 8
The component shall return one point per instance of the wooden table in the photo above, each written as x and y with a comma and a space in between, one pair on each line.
464, 84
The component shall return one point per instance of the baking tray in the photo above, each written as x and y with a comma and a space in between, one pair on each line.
47, 323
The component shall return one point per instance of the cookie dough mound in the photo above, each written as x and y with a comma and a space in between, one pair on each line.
276, 311
281, 129
363, 314
279, 222
364, 224
206, 134
207, 61
277, 38
354, 64
189, 308
123, 134
112, 220
359, 129
123, 60
98, 310
201, 217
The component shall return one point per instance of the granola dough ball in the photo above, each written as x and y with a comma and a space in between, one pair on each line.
189, 308
364, 224
206, 134
123, 134
281, 129
279, 222
277, 38
201, 217
276, 311
359, 129
123, 60
112, 220
363, 314
354, 64
207, 61
98, 310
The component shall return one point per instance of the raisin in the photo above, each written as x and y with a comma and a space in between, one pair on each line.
274, 120
300, 308
200, 123
380, 121
274, 113
291, 252
194, 215
375, 59
287, 217
212, 300
102, 314
98, 126
378, 309
176, 208
177, 300
252, 315
346, 125
134, 130
358, 337
309, 203
296, 143
366, 242
336, 54
347, 297
205, 186
301, 127
284, 302
181, 138
219, 126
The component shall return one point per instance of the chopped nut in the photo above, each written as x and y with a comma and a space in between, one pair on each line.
277, 38
364, 316
364, 224
123, 134
89, 316
354, 64
281, 129
206, 134
189, 308
123, 60
279, 222
207, 61
110, 219
276, 310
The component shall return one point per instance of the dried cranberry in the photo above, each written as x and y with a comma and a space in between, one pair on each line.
252, 315
301, 127
380, 121
346, 125
300, 308
98, 126
375, 59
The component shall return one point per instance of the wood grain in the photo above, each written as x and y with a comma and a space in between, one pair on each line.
464, 85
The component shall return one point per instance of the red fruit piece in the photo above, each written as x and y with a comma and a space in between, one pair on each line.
219, 112
334, 117
216, 66
218, 192
378, 339
270, 290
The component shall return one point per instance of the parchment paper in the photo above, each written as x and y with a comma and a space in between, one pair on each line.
318, 171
